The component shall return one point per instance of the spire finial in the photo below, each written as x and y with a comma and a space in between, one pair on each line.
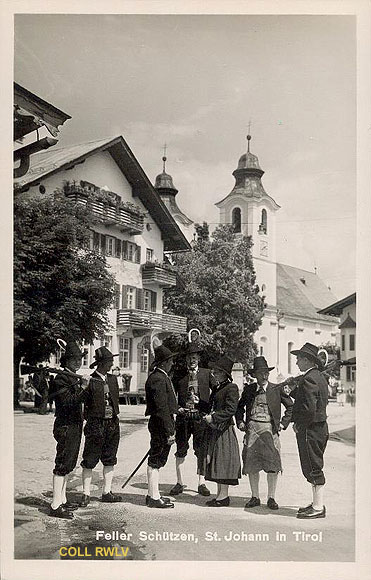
164, 157
248, 137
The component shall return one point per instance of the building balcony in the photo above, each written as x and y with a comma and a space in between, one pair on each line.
108, 207
153, 273
145, 320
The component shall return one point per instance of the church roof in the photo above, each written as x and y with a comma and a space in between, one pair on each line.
302, 293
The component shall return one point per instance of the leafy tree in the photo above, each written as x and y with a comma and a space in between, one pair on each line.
218, 293
62, 289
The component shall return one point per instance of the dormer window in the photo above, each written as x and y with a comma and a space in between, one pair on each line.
263, 227
236, 220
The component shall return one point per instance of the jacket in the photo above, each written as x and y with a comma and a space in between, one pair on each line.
94, 401
161, 400
311, 399
275, 397
68, 396
224, 404
206, 383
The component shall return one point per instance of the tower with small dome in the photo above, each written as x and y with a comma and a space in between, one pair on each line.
165, 187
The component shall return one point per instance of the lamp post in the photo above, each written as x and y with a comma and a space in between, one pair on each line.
280, 315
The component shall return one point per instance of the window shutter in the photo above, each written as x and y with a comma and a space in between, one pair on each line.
124, 297
124, 250
117, 296
103, 244
153, 301
138, 254
96, 241
139, 299
117, 248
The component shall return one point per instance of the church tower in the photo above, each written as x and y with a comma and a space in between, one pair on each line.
253, 213
165, 187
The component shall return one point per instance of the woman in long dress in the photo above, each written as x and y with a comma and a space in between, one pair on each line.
220, 455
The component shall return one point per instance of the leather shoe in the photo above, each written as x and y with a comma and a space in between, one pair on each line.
272, 504
159, 503
165, 499
203, 490
60, 512
312, 514
304, 509
177, 489
219, 502
70, 506
85, 501
111, 498
253, 502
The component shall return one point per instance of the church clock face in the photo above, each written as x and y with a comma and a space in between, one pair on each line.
263, 248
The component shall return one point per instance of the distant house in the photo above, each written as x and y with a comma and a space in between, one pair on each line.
346, 309
36, 126
134, 230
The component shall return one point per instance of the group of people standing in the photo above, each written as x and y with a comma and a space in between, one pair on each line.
205, 405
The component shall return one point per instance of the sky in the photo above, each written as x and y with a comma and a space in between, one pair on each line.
195, 82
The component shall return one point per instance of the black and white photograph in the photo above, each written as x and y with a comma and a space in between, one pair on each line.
185, 286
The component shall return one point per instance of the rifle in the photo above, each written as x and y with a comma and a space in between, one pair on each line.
28, 369
292, 381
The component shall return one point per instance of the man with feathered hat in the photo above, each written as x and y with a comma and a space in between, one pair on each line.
102, 428
309, 416
193, 395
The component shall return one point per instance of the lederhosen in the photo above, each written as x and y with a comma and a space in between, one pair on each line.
67, 430
309, 416
102, 429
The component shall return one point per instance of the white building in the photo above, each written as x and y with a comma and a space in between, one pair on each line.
293, 296
135, 229
346, 309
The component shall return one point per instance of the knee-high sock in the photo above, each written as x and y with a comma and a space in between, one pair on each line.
64, 489
107, 478
318, 496
201, 479
272, 484
179, 469
58, 481
87, 475
153, 482
222, 491
254, 483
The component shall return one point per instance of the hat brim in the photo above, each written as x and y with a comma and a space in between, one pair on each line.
155, 363
307, 355
199, 351
96, 362
214, 366
253, 371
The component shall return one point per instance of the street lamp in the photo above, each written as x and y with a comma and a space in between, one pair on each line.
280, 315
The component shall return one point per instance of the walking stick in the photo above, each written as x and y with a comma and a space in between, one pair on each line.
135, 470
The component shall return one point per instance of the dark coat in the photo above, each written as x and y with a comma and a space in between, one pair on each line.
68, 395
94, 401
275, 397
161, 400
206, 383
311, 399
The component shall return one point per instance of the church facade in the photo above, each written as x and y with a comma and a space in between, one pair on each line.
292, 296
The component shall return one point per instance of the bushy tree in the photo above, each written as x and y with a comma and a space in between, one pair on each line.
218, 293
62, 289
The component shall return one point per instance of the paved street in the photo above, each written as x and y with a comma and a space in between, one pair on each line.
213, 533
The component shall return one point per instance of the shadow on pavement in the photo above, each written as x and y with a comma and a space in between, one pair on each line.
347, 436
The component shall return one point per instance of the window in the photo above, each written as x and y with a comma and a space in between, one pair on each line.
351, 373
352, 342
85, 359
342, 342
125, 352
263, 346
263, 228
149, 255
131, 251
106, 341
236, 220
110, 246
128, 297
147, 300
144, 359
